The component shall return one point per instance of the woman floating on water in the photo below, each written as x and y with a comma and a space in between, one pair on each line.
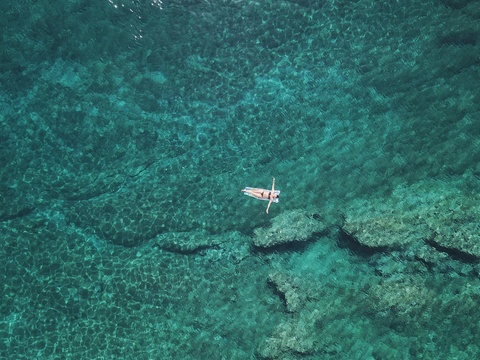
263, 194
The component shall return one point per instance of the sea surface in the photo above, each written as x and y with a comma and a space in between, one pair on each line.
129, 129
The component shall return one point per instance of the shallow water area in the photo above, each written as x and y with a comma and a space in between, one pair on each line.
129, 129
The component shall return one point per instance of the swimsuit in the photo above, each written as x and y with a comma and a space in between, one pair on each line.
262, 191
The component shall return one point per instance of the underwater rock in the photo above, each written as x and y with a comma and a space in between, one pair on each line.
404, 296
379, 230
232, 245
319, 313
288, 227
187, 242
291, 288
434, 212
289, 339
455, 227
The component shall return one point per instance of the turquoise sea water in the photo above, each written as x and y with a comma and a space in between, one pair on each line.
130, 127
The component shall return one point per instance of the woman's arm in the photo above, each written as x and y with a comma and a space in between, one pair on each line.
272, 194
